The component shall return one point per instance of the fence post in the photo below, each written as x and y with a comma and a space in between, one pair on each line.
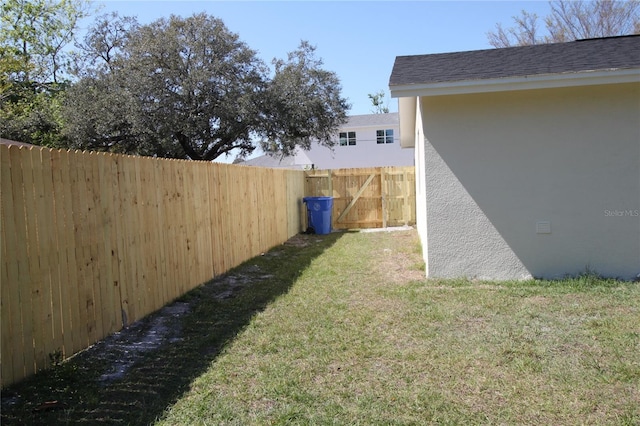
384, 194
406, 210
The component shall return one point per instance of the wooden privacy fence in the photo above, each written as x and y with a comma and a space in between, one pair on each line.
367, 197
92, 242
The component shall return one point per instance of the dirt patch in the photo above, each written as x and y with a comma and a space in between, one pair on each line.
123, 349
302, 240
400, 260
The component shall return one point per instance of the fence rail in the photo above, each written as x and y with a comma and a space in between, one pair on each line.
92, 241
367, 197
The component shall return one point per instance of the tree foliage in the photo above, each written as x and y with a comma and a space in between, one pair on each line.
184, 88
189, 88
36, 32
103, 43
571, 20
302, 103
34, 67
379, 103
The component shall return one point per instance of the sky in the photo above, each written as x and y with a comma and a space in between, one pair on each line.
358, 40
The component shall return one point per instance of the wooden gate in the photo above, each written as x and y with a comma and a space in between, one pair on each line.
368, 197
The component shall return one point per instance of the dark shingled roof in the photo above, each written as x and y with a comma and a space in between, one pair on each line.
582, 55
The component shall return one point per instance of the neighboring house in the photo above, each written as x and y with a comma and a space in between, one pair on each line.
365, 141
527, 158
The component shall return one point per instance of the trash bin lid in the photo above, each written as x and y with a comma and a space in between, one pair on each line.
307, 199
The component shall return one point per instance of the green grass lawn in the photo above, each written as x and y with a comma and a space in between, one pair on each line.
344, 330
353, 342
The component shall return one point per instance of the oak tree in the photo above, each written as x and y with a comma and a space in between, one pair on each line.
190, 88
302, 103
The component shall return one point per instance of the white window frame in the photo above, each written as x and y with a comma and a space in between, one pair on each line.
347, 138
385, 137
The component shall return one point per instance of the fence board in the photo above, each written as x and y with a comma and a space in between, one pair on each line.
43, 293
11, 324
33, 284
107, 296
49, 250
152, 222
87, 236
127, 243
66, 253
144, 288
97, 257
170, 198
159, 221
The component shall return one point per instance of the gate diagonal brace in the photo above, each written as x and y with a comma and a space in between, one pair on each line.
355, 197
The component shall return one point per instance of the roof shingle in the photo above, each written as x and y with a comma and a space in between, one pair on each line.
578, 56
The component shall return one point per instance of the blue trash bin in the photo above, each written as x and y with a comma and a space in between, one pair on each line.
319, 212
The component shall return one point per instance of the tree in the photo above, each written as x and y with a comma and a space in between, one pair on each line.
301, 104
103, 42
571, 20
101, 112
189, 88
10, 65
38, 31
34, 66
379, 103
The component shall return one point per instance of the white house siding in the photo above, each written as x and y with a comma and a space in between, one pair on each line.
365, 153
499, 165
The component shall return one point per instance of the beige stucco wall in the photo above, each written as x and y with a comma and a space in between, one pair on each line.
499, 165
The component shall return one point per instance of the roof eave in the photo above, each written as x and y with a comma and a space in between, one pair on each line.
546, 81
386, 119
369, 126
407, 107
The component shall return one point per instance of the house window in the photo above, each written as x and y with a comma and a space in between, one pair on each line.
384, 136
347, 138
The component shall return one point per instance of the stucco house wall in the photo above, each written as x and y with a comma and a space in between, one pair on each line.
536, 183
527, 159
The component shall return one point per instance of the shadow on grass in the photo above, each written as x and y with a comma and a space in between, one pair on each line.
75, 391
